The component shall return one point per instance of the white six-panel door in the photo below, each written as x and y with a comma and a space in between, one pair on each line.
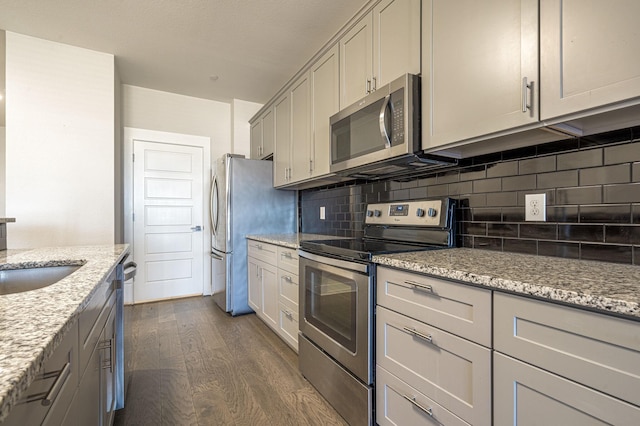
168, 220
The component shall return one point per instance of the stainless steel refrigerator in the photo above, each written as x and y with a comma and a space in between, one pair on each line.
243, 202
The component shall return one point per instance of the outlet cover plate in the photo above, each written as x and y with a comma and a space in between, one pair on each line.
535, 207
322, 213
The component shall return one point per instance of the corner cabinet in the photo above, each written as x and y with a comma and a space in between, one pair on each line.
273, 288
490, 83
589, 54
262, 136
379, 48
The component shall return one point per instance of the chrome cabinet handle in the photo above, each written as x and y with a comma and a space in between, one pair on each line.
57, 385
108, 344
368, 86
526, 87
375, 84
287, 278
416, 333
130, 270
383, 125
287, 255
196, 228
418, 286
288, 314
412, 399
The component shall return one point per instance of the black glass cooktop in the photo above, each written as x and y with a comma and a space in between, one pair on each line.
363, 249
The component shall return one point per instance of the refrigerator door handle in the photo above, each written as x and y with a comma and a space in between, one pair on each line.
213, 216
215, 256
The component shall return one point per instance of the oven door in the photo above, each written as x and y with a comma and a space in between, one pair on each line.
336, 310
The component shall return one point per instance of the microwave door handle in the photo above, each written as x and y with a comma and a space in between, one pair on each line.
383, 127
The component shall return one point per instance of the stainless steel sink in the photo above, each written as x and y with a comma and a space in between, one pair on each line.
19, 280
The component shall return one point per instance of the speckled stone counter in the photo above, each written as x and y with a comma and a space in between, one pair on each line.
33, 323
289, 240
601, 286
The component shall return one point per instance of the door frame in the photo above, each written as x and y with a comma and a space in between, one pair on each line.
204, 142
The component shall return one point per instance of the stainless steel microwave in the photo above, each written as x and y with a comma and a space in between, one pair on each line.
383, 126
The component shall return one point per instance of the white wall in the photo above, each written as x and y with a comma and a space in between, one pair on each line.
168, 112
59, 143
241, 112
3, 162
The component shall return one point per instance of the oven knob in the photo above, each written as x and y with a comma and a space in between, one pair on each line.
377, 213
432, 212
420, 212
369, 213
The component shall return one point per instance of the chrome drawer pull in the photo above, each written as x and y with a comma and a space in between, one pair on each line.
288, 314
288, 278
412, 399
286, 254
418, 286
108, 344
416, 333
57, 385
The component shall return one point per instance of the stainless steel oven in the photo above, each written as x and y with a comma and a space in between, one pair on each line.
337, 310
337, 298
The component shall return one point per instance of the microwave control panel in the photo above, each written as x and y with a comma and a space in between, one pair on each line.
408, 213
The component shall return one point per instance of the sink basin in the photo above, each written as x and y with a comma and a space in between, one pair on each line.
19, 280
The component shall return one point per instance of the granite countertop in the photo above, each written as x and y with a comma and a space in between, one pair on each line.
602, 286
289, 240
33, 323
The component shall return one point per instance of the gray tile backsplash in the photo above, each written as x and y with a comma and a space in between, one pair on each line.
593, 199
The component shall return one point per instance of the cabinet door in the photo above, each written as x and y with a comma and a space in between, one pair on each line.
325, 101
255, 286
589, 54
356, 63
282, 154
524, 395
268, 134
269, 280
108, 375
396, 40
475, 59
256, 140
300, 130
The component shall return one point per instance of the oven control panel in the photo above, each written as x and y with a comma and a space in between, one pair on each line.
406, 213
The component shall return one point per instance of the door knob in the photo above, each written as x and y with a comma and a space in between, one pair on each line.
197, 228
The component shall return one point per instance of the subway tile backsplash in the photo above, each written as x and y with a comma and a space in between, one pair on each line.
592, 186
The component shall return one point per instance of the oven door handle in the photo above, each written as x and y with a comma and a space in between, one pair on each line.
352, 266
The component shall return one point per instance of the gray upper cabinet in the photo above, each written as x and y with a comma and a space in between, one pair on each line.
282, 154
589, 54
300, 130
379, 48
480, 68
325, 101
262, 136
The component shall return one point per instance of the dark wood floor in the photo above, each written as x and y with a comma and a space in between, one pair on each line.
189, 363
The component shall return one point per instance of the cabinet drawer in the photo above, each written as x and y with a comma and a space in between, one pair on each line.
457, 308
288, 325
397, 403
454, 372
288, 259
263, 251
92, 311
57, 379
600, 351
526, 395
289, 290
89, 341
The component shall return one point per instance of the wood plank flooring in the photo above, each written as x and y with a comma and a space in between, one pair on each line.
189, 363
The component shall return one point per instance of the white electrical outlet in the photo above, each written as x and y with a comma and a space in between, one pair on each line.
535, 207
322, 217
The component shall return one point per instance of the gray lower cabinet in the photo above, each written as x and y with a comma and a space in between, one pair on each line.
430, 370
47, 399
525, 395
559, 365
94, 403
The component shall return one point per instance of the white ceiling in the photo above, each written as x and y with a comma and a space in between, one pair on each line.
253, 46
